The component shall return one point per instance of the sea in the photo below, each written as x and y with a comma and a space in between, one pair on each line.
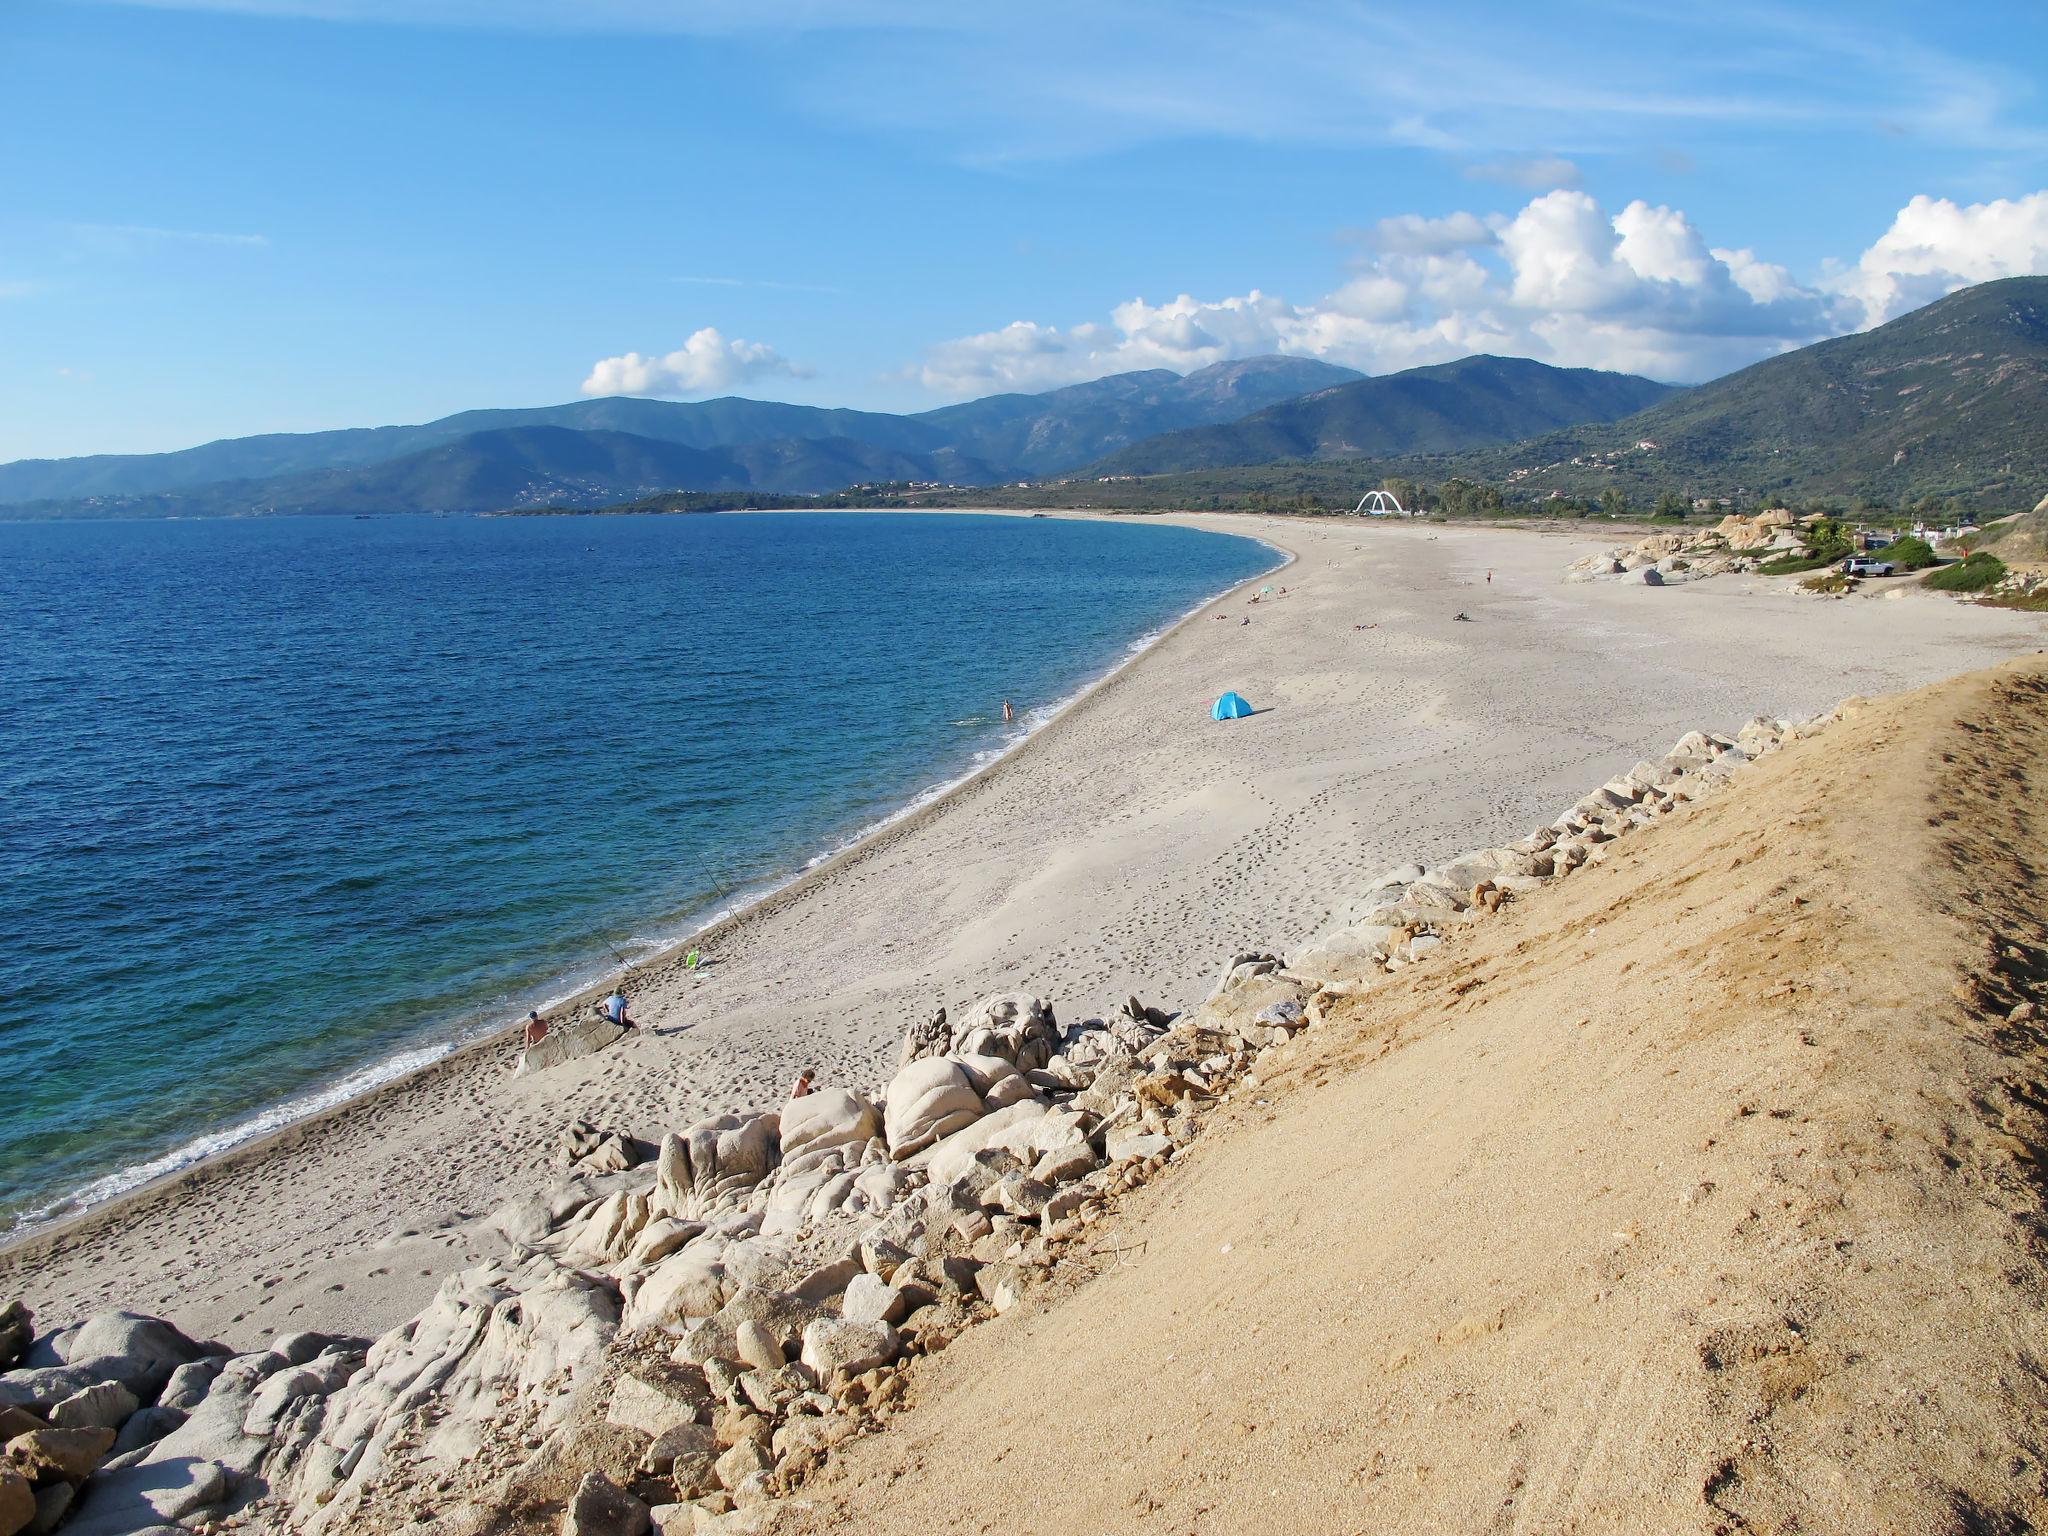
290, 806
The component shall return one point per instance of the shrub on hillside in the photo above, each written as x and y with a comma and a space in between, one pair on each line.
1977, 573
1909, 554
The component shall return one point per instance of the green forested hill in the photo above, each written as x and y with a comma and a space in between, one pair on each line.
1439, 409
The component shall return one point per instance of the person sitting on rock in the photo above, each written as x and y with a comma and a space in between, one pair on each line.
614, 1008
802, 1085
536, 1030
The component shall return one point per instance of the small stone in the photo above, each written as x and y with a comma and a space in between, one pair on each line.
881, 1257
872, 1300
600, 1507
838, 1345
743, 1461
759, 1348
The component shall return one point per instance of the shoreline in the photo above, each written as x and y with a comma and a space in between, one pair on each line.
1138, 844
38, 1238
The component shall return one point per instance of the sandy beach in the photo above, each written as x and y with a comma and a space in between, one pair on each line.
1126, 849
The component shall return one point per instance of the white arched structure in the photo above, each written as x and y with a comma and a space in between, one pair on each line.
1380, 504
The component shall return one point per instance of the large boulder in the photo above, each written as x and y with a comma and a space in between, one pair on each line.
692, 1283
929, 1099
715, 1164
137, 1351
1016, 1026
825, 1120
567, 1041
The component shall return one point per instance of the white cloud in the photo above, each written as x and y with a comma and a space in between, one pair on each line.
705, 363
1935, 247
1537, 173
1562, 280
135, 236
1416, 235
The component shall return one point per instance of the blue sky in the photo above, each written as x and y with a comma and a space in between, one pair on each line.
220, 217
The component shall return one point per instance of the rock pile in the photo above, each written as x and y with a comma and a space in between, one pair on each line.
1736, 543
672, 1346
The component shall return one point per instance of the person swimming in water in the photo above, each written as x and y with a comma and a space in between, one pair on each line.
1009, 714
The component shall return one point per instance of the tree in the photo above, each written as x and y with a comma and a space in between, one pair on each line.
1671, 504
1613, 502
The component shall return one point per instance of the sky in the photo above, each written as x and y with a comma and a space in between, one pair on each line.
223, 217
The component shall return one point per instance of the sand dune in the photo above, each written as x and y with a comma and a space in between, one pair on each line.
1697, 1193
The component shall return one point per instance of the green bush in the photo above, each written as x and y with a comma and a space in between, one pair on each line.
1792, 565
1909, 554
1978, 573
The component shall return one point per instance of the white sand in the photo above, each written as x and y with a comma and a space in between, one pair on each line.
1125, 850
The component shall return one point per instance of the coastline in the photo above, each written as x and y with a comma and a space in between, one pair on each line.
39, 1238
1123, 855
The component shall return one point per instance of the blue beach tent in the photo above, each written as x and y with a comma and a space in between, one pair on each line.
1231, 707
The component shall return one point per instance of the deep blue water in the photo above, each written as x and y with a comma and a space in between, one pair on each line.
287, 803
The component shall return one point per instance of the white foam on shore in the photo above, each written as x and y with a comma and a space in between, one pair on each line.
112, 1186
638, 948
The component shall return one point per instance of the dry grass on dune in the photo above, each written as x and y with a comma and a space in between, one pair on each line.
1696, 1193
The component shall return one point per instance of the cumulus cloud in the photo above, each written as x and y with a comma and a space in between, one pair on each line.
1562, 280
707, 362
1935, 247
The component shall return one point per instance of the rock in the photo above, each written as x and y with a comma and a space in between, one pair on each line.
1015, 1026
70, 1454
1137, 1145
1063, 1205
607, 1231
1066, 1164
187, 1387
783, 1314
714, 1163
684, 1452
600, 1507
139, 1352
656, 1399
881, 1257
828, 1281
686, 1284
53, 1503
1010, 1128
17, 1421
105, 1406
146, 1427
1242, 967
825, 1120
923, 1040
743, 1461
17, 1328
837, 1344
758, 1347
870, 1299
17, 1502
672, 1519
567, 1041
929, 1099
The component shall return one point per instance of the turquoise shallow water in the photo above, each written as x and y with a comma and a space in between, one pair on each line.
289, 805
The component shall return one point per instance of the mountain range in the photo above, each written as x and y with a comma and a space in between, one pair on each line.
1439, 409
1949, 401
602, 450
